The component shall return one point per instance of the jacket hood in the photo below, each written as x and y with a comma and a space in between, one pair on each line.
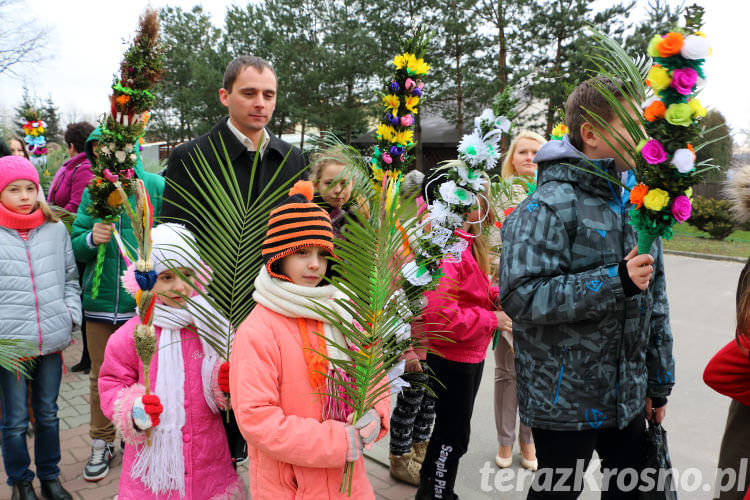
96, 136
556, 150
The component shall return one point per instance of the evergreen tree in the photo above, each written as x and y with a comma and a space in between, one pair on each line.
661, 19
719, 151
187, 103
51, 114
29, 105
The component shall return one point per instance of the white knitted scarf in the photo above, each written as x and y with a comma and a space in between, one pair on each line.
161, 466
297, 301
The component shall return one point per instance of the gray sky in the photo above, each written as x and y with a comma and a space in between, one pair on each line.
88, 40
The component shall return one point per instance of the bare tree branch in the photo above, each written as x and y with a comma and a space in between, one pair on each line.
21, 40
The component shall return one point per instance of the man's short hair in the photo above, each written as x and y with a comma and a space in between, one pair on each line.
586, 101
240, 63
77, 133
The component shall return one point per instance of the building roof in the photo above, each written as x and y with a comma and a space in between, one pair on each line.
436, 132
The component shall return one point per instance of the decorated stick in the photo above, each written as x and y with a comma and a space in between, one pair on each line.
36, 142
666, 159
114, 169
142, 219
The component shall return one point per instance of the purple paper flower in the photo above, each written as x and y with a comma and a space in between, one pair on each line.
393, 120
396, 150
681, 208
683, 80
395, 86
653, 152
416, 92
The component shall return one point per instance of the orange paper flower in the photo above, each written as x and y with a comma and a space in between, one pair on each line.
654, 111
670, 44
637, 194
690, 147
123, 99
114, 199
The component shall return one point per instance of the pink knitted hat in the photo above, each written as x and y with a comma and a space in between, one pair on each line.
13, 168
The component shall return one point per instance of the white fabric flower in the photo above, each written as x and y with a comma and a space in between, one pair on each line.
120, 156
683, 160
471, 178
695, 47
128, 147
132, 156
492, 153
410, 270
472, 149
441, 214
648, 101
455, 195
502, 123
104, 148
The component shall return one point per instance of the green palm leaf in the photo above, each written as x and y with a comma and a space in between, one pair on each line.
12, 351
234, 228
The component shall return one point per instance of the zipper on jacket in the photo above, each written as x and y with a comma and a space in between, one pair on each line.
560, 376
117, 279
36, 298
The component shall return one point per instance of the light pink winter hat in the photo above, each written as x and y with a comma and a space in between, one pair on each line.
13, 168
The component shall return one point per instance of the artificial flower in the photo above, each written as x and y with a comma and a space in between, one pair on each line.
416, 92
123, 99
653, 152
670, 45
637, 194
472, 149
441, 214
401, 60
405, 137
415, 274
387, 158
695, 47
559, 130
411, 103
502, 123
640, 145
385, 132
396, 150
409, 84
658, 77
395, 87
407, 120
683, 160
681, 208
114, 199
683, 80
697, 108
456, 195
656, 199
472, 178
377, 173
120, 156
679, 114
654, 111
392, 102
417, 66
652, 50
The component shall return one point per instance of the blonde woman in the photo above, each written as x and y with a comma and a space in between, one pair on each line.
518, 162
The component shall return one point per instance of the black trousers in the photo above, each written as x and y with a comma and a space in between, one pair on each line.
411, 419
455, 386
559, 453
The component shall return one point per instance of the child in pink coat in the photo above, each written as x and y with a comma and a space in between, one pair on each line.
189, 456
298, 439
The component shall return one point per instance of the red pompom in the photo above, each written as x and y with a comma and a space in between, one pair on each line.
305, 188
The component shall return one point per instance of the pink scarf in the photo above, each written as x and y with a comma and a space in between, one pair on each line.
13, 220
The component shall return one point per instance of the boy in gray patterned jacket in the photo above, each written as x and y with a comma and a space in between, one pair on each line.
593, 345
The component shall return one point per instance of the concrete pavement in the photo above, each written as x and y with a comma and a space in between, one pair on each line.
701, 294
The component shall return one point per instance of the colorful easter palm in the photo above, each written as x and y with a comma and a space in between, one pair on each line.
667, 129
122, 127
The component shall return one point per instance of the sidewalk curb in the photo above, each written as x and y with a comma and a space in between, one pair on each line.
707, 256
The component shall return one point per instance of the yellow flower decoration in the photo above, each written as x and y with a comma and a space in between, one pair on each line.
377, 174
392, 102
656, 199
385, 132
402, 60
559, 130
417, 66
697, 108
411, 103
658, 78
404, 138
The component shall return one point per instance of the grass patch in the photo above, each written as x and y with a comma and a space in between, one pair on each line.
688, 238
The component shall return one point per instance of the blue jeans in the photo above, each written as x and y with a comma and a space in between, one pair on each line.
45, 386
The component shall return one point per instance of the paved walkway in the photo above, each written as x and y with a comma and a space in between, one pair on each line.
701, 295
73, 411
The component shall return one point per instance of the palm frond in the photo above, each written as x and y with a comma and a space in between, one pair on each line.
12, 355
233, 229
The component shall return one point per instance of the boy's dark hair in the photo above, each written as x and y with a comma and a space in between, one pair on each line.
586, 101
238, 64
77, 133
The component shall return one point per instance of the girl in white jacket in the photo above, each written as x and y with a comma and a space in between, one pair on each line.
39, 304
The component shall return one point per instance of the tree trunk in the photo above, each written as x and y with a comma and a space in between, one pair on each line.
349, 90
551, 104
280, 130
459, 96
302, 137
419, 159
502, 55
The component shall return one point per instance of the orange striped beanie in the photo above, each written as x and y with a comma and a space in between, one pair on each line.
296, 223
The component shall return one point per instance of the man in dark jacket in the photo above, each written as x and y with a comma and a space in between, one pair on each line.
249, 93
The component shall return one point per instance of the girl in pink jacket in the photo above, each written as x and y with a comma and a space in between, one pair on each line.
298, 439
188, 457
460, 319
